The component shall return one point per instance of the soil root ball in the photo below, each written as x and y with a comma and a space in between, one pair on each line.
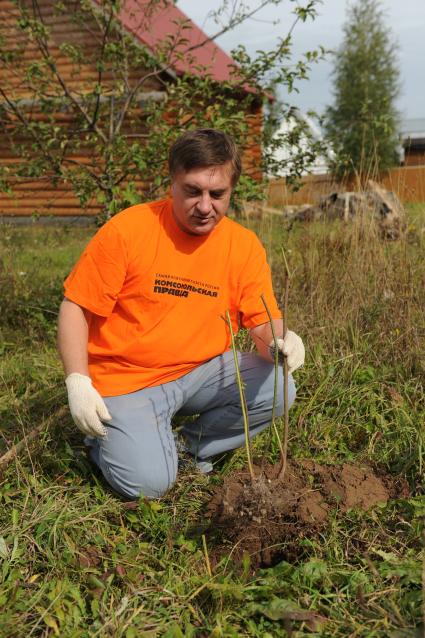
268, 517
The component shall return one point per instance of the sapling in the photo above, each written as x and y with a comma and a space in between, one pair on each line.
285, 381
276, 368
283, 448
243, 398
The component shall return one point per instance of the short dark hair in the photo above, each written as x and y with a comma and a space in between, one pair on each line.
202, 148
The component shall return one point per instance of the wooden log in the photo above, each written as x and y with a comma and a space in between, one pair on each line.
23, 190
45, 203
30, 206
56, 212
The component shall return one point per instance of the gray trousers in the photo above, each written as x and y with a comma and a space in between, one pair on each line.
139, 455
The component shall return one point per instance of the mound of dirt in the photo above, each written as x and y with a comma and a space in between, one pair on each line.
268, 517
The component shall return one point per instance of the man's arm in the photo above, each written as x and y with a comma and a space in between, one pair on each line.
262, 336
73, 338
290, 345
85, 403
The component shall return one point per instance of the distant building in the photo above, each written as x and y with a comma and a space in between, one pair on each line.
412, 137
285, 154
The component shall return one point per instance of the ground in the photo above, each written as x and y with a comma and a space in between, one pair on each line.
78, 561
266, 518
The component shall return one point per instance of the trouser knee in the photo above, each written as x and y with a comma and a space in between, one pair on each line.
279, 399
133, 484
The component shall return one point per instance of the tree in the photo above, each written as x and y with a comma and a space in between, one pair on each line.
101, 131
362, 123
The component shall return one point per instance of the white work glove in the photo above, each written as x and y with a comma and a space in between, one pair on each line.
86, 405
291, 347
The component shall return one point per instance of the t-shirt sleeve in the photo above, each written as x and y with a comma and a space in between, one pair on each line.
255, 281
98, 276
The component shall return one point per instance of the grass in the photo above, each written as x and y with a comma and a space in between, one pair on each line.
76, 561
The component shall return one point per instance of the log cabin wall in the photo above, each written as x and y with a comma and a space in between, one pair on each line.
252, 155
42, 195
64, 27
415, 156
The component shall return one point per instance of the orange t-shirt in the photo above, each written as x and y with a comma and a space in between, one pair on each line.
158, 296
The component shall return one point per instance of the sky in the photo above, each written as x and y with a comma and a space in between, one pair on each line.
405, 18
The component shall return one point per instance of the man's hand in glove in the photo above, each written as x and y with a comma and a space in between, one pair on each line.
292, 347
86, 405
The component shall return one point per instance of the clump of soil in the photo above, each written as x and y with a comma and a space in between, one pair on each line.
268, 517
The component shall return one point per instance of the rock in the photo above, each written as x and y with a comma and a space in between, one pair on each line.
376, 202
389, 209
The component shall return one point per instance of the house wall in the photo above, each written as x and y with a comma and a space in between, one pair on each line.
63, 27
414, 157
42, 196
251, 157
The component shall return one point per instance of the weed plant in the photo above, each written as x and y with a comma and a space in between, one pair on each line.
77, 561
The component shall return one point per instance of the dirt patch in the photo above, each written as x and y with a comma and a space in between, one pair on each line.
268, 518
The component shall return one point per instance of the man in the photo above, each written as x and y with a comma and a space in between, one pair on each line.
142, 331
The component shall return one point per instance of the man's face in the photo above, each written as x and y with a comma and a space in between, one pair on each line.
201, 198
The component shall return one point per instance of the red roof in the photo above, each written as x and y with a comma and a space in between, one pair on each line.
167, 20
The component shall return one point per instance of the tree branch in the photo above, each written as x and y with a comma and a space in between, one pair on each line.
99, 75
44, 49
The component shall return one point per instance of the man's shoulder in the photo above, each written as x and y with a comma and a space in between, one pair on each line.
241, 234
139, 215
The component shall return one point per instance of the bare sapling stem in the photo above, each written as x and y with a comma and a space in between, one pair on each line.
276, 369
207, 558
285, 380
243, 399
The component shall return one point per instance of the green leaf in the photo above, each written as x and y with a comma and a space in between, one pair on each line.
314, 570
51, 622
174, 632
4, 552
